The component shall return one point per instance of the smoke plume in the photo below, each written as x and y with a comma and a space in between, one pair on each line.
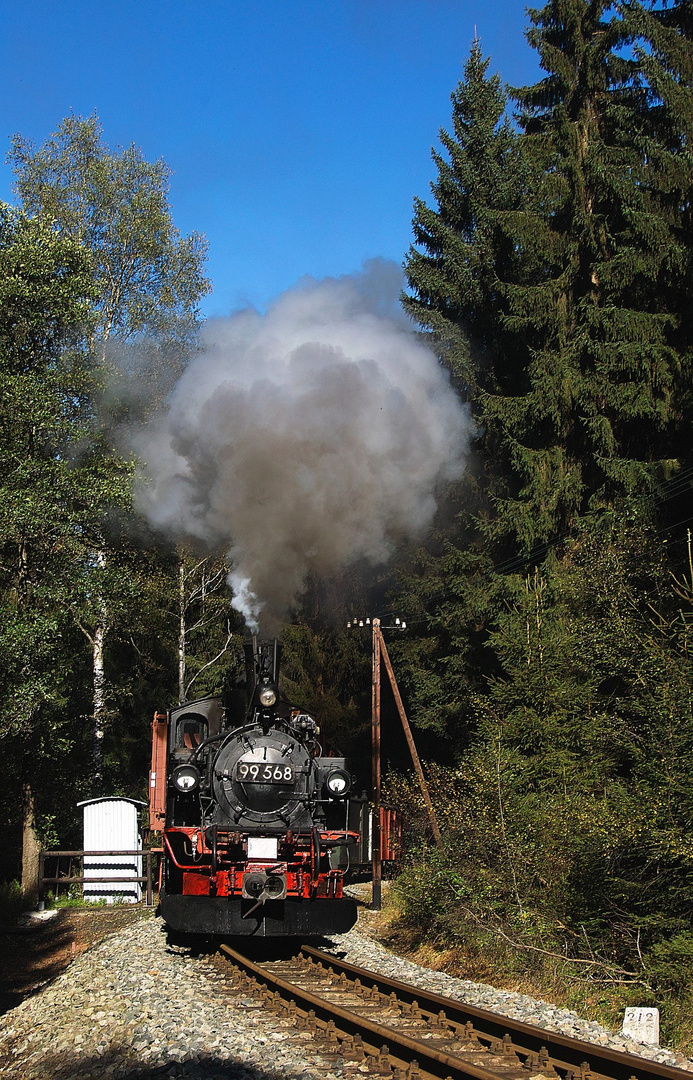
305, 439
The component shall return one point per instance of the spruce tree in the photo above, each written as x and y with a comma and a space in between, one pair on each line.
661, 37
595, 419
570, 805
459, 251
549, 275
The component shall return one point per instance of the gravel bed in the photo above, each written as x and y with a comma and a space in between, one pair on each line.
358, 948
134, 1008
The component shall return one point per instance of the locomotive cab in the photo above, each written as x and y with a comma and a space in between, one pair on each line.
252, 810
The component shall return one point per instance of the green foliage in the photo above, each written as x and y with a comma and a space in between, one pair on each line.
460, 249
74, 899
12, 902
325, 672
115, 204
447, 598
53, 491
672, 963
142, 281
551, 619
567, 821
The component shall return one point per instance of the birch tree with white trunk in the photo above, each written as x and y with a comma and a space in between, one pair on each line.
205, 628
149, 281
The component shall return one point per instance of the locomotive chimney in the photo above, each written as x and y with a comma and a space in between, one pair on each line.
262, 665
262, 660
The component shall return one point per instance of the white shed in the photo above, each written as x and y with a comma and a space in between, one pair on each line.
110, 824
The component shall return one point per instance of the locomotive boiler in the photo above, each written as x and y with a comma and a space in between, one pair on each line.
250, 810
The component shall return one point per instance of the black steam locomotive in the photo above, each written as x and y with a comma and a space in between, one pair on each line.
250, 812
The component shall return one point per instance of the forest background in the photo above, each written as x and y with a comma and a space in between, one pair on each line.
547, 665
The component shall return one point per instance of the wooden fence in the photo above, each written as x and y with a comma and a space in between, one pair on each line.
148, 855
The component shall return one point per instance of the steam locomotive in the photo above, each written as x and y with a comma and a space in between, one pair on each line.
251, 812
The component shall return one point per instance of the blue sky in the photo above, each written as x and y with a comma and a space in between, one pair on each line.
299, 131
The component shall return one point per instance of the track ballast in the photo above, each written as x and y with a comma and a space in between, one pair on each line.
391, 1028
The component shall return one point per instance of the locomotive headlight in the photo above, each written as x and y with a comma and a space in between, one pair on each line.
186, 778
338, 783
268, 696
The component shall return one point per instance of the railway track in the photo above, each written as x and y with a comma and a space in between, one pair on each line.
382, 1026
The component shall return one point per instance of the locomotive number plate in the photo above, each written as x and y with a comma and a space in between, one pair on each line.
259, 772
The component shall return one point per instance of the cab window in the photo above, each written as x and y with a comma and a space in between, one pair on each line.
191, 732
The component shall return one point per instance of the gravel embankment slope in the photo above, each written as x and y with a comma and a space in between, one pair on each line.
131, 1007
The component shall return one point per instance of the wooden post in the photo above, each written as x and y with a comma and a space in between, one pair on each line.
150, 891
41, 874
375, 739
408, 735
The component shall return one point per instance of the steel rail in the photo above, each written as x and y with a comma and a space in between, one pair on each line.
379, 1039
566, 1053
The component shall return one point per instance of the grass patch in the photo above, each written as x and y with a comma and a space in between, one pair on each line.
545, 978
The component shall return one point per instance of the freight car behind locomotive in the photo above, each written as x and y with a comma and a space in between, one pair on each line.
250, 810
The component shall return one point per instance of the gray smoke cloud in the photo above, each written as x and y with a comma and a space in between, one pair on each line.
305, 439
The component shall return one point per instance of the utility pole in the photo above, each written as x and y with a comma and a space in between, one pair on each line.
380, 650
375, 740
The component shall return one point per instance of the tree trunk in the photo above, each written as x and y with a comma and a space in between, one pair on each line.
99, 706
99, 685
30, 844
